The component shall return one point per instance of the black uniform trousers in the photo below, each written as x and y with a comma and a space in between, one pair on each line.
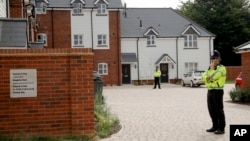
157, 82
215, 108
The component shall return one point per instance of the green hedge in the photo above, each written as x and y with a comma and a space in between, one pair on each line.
240, 95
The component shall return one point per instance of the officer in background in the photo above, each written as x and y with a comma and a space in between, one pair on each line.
157, 75
215, 78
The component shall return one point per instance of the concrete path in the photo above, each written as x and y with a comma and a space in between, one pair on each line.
173, 113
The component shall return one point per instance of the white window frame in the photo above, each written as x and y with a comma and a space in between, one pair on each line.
41, 8
101, 9
102, 39
190, 41
77, 8
103, 68
151, 40
42, 38
78, 40
191, 66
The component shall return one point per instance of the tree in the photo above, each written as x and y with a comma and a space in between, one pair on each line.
229, 20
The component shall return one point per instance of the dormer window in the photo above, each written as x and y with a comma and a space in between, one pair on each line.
41, 8
151, 40
77, 8
190, 41
102, 9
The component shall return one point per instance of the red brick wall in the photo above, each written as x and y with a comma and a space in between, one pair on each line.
16, 8
64, 104
57, 25
111, 56
233, 72
245, 59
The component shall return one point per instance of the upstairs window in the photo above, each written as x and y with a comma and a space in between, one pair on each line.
103, 68
190, 41
42, 38
151, 40
101, 9
77, 8
102, 39
41, 8
78, 40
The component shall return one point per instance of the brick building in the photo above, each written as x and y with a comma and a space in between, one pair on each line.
244, 50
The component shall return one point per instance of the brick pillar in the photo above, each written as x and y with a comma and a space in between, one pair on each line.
82, 117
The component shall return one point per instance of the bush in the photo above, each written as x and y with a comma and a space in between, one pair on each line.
105, 121
240, 95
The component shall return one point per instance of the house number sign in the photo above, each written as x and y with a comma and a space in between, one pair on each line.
23, 83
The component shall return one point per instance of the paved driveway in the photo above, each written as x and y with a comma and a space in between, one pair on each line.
173, 113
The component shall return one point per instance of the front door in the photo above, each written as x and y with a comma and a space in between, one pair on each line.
126, 77
164, 73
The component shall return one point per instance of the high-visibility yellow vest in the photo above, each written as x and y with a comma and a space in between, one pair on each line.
215, 79
157, 73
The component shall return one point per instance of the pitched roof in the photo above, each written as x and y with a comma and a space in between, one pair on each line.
13, 32
166, 21
88, 3
243, 47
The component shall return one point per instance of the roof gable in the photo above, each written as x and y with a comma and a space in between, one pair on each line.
45, 1
190, 29
165, 58
105, 1
77, 1
151, 31
243, 48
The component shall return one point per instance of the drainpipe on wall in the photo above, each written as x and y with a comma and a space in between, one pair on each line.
209, 48
138, 66
7, 8
52, 21
177, 61
92, 34
119, 46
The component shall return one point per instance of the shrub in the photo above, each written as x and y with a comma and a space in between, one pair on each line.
105, 121
240, 95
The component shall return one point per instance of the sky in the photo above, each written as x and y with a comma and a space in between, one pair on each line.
153, 3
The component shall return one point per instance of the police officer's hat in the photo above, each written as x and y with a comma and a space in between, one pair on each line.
215, 55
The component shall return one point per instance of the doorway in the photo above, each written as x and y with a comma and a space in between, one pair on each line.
126, 75
164, 72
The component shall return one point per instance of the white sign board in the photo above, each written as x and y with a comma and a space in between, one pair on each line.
23, 83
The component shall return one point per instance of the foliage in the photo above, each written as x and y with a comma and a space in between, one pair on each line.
241, 95
45, 138
229, 20
105, 120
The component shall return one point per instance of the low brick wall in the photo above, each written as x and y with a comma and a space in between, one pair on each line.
64, 104
233, 72
245, 59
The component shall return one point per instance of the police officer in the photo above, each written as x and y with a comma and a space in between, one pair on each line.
157, 74
215, 78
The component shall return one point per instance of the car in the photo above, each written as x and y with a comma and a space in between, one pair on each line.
193, 78
97, 76
238, 81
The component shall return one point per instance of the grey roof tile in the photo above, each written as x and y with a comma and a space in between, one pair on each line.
166, 21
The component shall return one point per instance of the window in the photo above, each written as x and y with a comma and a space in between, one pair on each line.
103, 68
41, 8
191, 66
101, 9
151, 40
190, 41
102, 39
42, 38
78, 40
78, 8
